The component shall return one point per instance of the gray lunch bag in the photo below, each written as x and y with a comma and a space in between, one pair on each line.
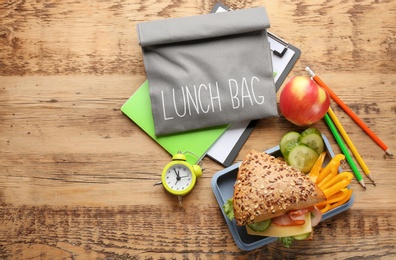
208, 70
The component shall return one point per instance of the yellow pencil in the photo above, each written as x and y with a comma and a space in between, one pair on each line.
350, 144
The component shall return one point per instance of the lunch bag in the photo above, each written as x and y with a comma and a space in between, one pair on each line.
208, 70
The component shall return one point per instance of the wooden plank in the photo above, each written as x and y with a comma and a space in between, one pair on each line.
76, 175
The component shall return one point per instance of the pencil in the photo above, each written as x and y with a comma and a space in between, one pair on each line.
350, 144
347, 110
344, 150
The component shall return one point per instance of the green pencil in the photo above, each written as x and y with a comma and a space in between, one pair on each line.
344, 150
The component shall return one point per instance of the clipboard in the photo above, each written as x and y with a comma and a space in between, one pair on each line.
285, 55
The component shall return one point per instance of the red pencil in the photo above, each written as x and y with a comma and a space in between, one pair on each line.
347, 110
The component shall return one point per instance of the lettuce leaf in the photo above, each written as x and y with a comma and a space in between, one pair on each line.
286, 241
229, 209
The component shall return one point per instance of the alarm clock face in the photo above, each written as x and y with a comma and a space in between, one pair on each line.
178, 177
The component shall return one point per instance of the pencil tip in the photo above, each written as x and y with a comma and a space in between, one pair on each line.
371, 178
389, 152
363, 184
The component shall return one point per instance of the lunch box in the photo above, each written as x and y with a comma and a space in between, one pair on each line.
223, 188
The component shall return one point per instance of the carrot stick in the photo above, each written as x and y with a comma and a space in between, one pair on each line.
334, 198
335, 179
341, 202
334, 163
330, 176
325, 209
336, 188
314, 173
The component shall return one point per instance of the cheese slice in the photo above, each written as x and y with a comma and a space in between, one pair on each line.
284, 231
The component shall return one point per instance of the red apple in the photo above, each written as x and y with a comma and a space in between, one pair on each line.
303, 102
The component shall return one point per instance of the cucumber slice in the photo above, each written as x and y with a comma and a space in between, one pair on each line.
260, 226
313, 138
301, 156
302, 236
288, 138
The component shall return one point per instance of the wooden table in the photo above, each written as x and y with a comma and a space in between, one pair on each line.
76, 175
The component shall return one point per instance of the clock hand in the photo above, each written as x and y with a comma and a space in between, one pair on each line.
177, 176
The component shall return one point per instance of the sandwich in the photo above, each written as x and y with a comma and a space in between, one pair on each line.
274, 199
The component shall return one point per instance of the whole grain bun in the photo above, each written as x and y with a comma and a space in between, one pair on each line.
267, 187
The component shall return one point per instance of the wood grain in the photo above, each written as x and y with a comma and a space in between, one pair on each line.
121, 232
76, 175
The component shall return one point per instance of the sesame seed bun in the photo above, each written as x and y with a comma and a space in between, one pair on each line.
266, 187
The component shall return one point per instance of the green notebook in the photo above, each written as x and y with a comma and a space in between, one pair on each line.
138, 109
